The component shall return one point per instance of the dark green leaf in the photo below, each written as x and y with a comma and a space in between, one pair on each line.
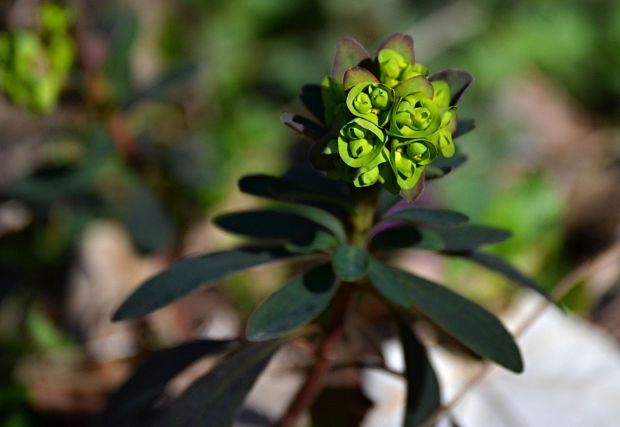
312, 99
148, 223
423, 395
432, 172
149, 381
429, 216
310, 179
271, 225
447, 164
350, 263
321, 217
463, 126
468, 237
349, 53
406, 238
502, 267
357, 75
402, 44
321, 241
216, 397
386, 201
293, 305
458, 81
303, 125
469, 323
188, 274
299, 187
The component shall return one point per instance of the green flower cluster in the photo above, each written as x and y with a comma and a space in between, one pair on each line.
385, 129
34, 64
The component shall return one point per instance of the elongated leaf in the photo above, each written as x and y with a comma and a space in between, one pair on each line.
429, 216
406, 237
432, 172
350, 263
402, 44
293, 305
303, 125
216, 397
149, 225
149, 381
312, 189
271, 224
189, 274
448, 164
468, 237
502, 267
321, 217
309, 178
458, 81
321, 241
386, 201
469, 323
464, 126
357, 75
312, 99
349, 53
423, 395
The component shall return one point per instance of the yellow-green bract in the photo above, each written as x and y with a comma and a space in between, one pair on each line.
387, 118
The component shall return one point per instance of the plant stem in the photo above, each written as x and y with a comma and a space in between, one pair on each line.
323, 362
363, 221
366, 207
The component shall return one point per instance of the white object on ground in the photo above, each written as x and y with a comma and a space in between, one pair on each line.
571, 378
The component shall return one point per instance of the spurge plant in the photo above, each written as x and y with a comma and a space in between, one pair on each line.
382, 125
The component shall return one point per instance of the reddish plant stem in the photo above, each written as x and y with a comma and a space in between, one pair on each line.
322, 365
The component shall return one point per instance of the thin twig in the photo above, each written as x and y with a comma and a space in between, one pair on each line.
367, 365
560, 290
322, 365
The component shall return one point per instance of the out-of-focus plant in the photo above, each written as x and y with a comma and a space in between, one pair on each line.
34, 64
379, 123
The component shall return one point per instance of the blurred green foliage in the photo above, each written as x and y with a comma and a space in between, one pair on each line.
34, 62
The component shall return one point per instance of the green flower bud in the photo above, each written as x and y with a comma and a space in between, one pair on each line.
413, 71
406, 170
380, 98
370, 173
371, 101
359, 143
367, 178
442, 93
359, 148
394, 68
421, 152
362, 103
442, 139
391, 63
415, 116
403, 163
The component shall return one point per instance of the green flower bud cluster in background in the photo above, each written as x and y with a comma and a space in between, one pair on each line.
34, 63
386, 119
